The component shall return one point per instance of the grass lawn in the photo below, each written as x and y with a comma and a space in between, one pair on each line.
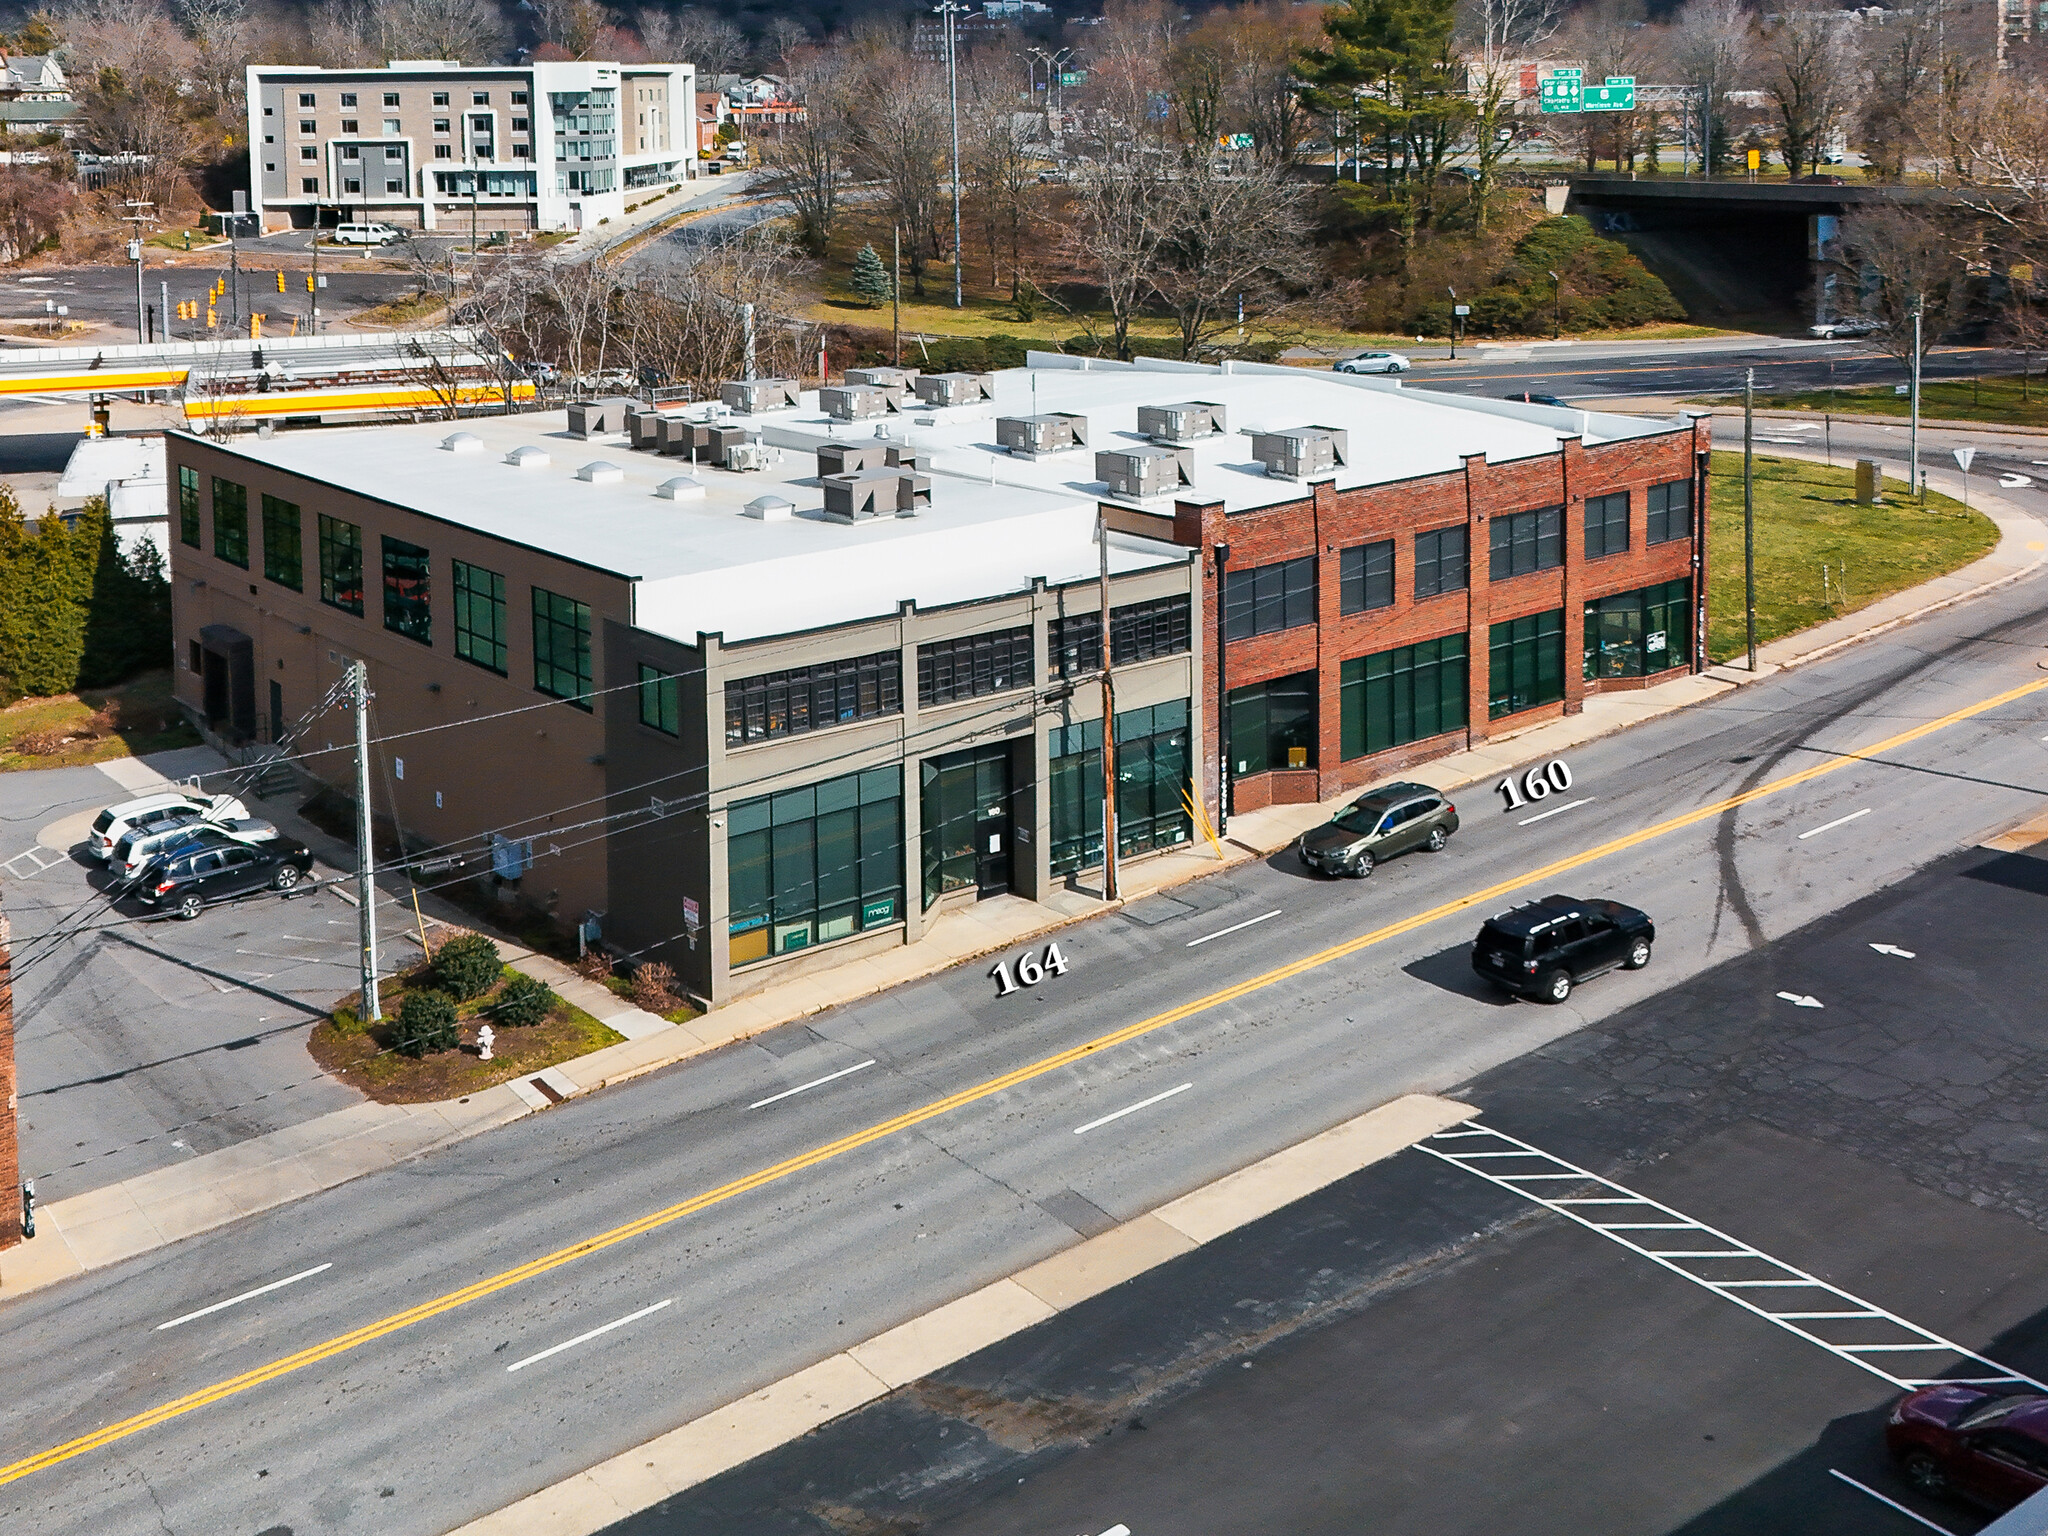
406, 311
1807, 517
93, 726
363, 1057
2006, 400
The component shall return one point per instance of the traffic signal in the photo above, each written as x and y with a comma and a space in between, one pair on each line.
255, 327
309, 282
211, 322
280, 280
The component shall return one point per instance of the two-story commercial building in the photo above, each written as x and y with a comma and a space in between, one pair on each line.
424, 144
772, 684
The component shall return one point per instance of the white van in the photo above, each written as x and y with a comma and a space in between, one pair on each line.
366, 234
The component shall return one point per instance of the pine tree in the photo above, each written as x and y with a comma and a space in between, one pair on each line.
871, 278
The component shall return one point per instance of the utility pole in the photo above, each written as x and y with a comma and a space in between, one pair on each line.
1109, 883
138, 218
164, 293
1749, 509
366, 884
1454, 322
1919, 307
1222, 698
948, 10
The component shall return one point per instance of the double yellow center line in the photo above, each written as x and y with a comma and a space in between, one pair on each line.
816, 1156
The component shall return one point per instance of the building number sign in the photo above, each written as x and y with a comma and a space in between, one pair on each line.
1031, 969
1536, 784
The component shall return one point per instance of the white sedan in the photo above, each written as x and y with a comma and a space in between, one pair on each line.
1374, 362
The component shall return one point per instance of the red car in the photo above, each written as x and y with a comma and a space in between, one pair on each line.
1988, 1447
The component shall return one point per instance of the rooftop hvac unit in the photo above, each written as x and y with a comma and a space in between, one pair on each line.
852, 458
1182, 423
594, 418
883, 378
1029, 436
859, 402
642, 425
954, 388
753, 396
1143, 472
749, 453
1301, 452
682, 439
871, 493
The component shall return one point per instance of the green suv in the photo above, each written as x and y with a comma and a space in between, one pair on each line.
1376, 826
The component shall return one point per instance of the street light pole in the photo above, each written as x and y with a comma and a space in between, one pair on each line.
1454, 322
1749, 509
1919, 306
948, 10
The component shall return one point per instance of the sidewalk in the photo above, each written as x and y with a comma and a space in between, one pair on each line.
695, 196
107, 1225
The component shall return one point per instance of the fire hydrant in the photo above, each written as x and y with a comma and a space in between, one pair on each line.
484, 1039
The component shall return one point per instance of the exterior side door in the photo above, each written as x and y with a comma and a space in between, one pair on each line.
242, 869
1605, 943
1407, 826
2000, 1467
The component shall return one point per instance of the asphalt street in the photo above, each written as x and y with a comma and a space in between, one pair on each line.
107, 294
418, 1424
1417, 1350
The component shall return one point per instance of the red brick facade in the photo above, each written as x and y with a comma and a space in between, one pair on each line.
1325, 521
10, 1146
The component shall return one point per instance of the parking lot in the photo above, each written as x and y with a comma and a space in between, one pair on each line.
143, 1041
1422, 1348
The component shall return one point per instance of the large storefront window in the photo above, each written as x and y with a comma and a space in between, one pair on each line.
1151, 780
1273, 724
811, 865
1526, 664
1403, 695
1633, 634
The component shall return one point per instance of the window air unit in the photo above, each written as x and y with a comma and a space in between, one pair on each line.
1144, 472
1182, 423
1301, 452
1029, 436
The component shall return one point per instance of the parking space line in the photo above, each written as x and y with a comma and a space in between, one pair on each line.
1855, 1351
1889, 1503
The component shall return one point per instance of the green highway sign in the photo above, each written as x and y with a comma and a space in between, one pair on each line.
1559, 91
1617, 95
1073, 76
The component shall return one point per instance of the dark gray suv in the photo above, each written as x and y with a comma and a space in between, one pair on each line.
1376, 826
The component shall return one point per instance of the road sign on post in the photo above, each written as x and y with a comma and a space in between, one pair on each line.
1617, 95
1559, 91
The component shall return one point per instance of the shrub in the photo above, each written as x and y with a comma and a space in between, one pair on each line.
652, 982
594, 965
524, 1001
426, 1022
467, 966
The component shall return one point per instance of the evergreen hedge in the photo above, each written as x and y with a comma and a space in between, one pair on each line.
73, 612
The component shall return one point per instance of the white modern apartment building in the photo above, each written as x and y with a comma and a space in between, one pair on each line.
427, 144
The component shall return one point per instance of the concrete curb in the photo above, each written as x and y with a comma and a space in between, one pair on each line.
733, 1435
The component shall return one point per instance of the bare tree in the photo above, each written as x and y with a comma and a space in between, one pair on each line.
1001, 156
1901, 65
1501, 34
1610, 37
780, 44
1808, 73
32, 210
903, 143
806, 161
1117, 221
1231, 232
1909, 262
576, 27
1711, 43
692, 36
223, 37
374, 31
685, 326
131, 40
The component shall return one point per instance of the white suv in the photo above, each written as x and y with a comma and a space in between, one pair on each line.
134, 852
156, 813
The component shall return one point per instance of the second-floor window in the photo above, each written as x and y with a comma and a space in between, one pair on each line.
799, 699
408, 591
231, 522
1366, 577
1606, 525
1441, 561
1527, 541
967, 668
1267, 598
341, 565
1670, 515
188, 505
282, 562
561, 647
480, 616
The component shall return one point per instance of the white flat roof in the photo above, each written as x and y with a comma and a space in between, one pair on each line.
995, 522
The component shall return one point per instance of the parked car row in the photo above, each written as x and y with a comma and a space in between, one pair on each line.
179, 852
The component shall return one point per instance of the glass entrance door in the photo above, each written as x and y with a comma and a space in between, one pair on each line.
966, 810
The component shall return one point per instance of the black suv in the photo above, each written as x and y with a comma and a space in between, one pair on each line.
1545, 948
219, 868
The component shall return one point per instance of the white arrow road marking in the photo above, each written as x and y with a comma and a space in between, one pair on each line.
1798, 1001
1893, 949
2014, 482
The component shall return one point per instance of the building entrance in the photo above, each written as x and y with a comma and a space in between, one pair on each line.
967, 812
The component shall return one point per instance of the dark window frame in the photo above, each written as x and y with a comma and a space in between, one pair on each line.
1256, 699
661, 706
1410, 694
1266, 599
795, 701
408, 579
188, 506
284, 554
334, 572
975, 666
787, 891
1523, 543
1659, 526
1607, 525
558, 618
1365, 577
1440, 570
487, 645
1525, 663
231, 522
1143, 631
